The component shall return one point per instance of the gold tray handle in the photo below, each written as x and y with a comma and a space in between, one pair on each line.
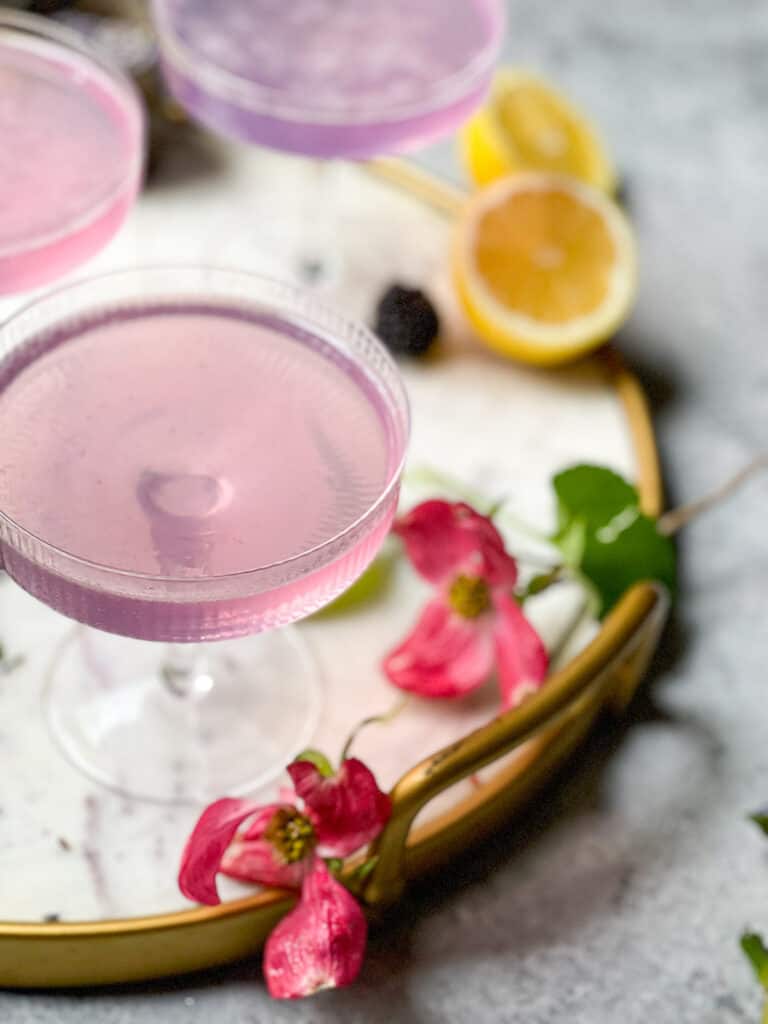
598, 677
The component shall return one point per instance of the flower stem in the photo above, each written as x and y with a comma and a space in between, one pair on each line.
675, 519
428, 476
382, 719
501, 512
543, 581
557, 648
457, 489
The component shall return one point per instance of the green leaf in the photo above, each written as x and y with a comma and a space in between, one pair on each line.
638, 552
761, 820
335, 864
371, 585
320, 761
604, 535
757, 954
593, 494
542, 581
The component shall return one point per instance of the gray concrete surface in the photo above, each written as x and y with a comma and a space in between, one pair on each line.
620, 899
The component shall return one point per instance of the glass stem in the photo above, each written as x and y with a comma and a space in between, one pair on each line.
186, 671
319, 225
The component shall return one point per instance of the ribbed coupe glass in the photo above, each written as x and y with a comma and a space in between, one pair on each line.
72, 152
330, 78
191, 455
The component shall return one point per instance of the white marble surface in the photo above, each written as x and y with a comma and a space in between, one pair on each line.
621, 897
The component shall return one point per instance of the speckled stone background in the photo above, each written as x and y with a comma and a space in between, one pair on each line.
621, 896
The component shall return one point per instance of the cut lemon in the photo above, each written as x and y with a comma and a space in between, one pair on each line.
544, 266
526, 124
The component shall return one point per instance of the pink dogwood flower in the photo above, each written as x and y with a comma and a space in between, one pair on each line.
474, 624
319, 944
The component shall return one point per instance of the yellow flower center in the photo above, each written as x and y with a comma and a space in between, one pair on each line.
469, 596
291, 834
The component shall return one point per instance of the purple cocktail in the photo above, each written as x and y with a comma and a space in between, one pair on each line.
71, 153
330, 78
190, 455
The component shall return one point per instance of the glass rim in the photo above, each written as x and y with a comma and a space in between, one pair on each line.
23, 24
194, 273
265, 100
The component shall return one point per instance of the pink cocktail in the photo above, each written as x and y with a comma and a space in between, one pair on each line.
71, 152
329, 78
191, 455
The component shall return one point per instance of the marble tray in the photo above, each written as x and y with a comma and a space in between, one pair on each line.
73, 852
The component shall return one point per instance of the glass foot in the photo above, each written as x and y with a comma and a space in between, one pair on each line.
188, 723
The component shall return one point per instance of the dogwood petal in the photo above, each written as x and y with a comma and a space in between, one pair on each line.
443, 538
251, 858
320, 944
347, 810
521, 658
445, 655
205, 848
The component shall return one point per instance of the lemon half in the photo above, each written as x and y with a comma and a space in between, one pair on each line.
544, 266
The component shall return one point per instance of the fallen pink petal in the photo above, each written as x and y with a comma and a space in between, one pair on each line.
258, 862
445, 655
521, 658
318, 945
275, 849
205, 848
442, 537
348, 810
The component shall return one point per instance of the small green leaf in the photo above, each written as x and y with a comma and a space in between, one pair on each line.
320, 761
371, 585
335, 864
604, 535
761, 820
362, 871
593, 494
537, 584
541, 582
757, 954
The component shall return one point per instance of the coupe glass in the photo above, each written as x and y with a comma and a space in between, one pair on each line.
327, 78
72, 150
191, 455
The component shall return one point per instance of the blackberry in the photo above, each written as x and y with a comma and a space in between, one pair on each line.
45, 6
406, 321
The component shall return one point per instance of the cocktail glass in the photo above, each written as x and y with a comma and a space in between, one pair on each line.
330, 78
191, 455
72, 150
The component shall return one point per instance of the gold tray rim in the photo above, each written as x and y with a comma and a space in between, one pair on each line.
79, 953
